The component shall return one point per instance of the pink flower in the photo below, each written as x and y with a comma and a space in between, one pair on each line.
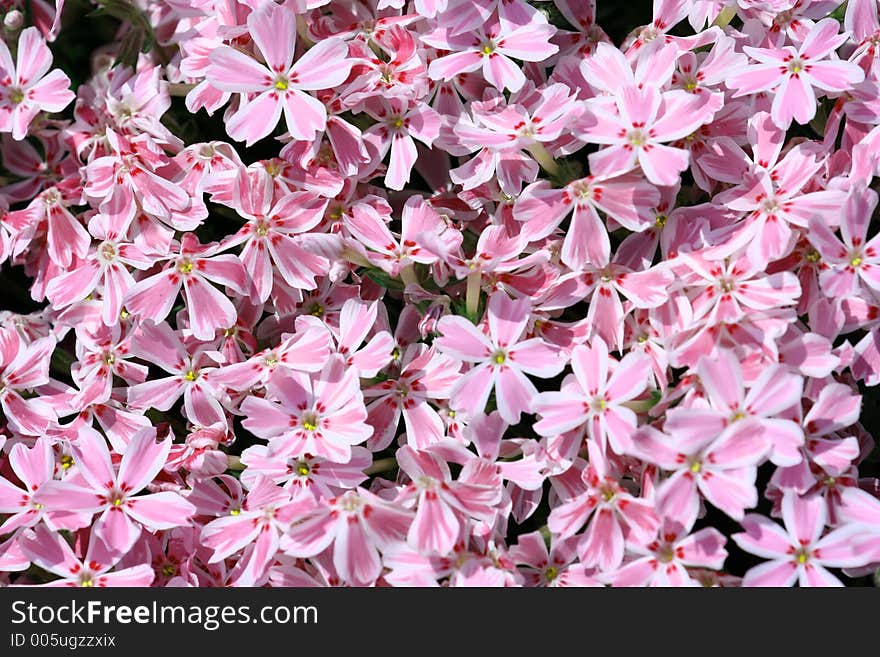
399, 122
594, 398
24, 366
556, 568
322, 415
628, 199
279, 84
490, 49
424, 375
33, 467
666, 560
271, 234
26, 89
98, 487
159, 345
444, 505
358, 524
194, 268
613, 516
799, 552
50, 551
794, 72
502, 358
635, 123
855, 260
255, 525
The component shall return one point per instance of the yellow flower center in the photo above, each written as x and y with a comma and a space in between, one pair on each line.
637, 138
499, 357
235, 512
185, 266
303, 469
802, 556
317, 310
310, 422
86, 582
191, 375
108, 251
856, 260
696, 466
281, 84
66, 461
16, 96
109, 358
262, 229
661, 220
397, 122
168, 569
813, 256
551, 573
665, 554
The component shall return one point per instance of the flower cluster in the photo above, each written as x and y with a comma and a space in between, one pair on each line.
440, 292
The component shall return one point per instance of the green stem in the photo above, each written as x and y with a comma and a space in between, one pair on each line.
472, 300
302, 30
180, 88
725, 16
408, 275
542, 156
382, 465
234, 463
355, 258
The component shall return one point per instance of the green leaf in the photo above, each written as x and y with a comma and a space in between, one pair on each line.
382, 278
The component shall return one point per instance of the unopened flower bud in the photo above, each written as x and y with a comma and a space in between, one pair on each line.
13, 20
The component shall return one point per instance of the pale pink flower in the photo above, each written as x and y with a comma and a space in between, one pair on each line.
636, 123
490, 49
358, 524
279, 85
443, 505
98, 487
793, 73
400, 122
33, 467
854, 261
501, 357
557, 567
425, 375
25, 87
799, 552
628, 199
322, 414
160, 345
270, 237
612, 515
50, 551
24, 366
667, 560
594, 396
194, 268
